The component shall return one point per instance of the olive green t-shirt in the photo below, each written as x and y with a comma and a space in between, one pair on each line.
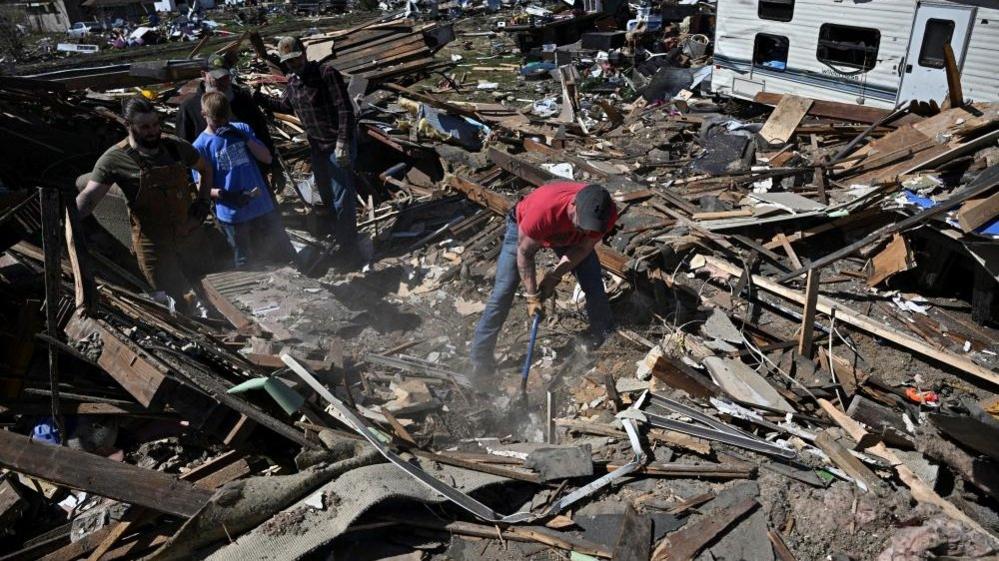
117, 166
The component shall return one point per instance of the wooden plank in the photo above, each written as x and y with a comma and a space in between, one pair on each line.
737, 213
974, 214
236, 317
85, 289
785, 119
895, 258
781, 239
678, 375
883, 421
807, 333
137, 376
860, 321
133, 517
686, 543
846, 374
535, 175
230, 472
832, 109
954, 92
101, 476
780, 548
847, 462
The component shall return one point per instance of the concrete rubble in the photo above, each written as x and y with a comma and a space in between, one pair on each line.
804, 364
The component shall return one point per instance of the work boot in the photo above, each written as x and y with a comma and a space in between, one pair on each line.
483, 378
591, 341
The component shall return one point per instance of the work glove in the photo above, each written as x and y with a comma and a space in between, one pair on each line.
341, 154
199, 209
534, 306
547, 288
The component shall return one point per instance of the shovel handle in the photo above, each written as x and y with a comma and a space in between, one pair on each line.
535, 322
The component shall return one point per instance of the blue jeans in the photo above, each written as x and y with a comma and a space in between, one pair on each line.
258, 240
336, 188
508, 279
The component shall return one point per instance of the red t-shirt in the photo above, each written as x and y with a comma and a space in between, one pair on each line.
543, 215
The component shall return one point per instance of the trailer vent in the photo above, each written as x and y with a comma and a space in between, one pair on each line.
845, 45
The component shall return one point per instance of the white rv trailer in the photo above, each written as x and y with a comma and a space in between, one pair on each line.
870, 52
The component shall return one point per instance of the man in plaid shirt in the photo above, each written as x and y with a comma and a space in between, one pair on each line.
317, 95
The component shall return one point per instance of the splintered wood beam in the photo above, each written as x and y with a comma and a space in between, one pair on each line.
79, 260
846, 461
535, 175
51, 206
806, 337
954, 92
101, 476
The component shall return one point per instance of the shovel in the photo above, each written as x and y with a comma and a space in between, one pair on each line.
535, 322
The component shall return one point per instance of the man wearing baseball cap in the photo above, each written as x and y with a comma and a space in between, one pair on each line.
317, 95
218, 78
570, 218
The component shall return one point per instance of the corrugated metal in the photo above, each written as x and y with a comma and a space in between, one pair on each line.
980, 72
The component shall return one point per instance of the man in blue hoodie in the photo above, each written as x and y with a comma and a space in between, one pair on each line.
245, 212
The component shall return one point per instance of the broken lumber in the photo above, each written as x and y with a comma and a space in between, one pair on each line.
982, 184
860, 321
806, 336
921, 491
785, 119
101, 476
974, 214
685, 544
847, 462
831, 109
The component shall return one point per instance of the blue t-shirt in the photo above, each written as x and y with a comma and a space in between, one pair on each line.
235, 170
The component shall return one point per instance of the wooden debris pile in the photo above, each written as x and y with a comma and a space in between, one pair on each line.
804, 366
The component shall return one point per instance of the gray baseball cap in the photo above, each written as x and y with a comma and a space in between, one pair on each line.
289, 48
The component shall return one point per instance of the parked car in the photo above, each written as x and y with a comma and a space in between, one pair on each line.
84, 28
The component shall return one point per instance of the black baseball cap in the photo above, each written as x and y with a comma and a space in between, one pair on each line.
217, 67
593, 207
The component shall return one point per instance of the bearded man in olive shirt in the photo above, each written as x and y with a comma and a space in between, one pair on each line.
152, 171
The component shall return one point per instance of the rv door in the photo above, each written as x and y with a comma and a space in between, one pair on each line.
924, 77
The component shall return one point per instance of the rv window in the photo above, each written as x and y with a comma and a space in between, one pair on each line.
779, 10
770, 51
845, 45
938, 33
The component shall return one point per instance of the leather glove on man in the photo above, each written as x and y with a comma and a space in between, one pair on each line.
534, 306
341, 154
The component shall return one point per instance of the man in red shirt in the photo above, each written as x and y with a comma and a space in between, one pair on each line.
570, 218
